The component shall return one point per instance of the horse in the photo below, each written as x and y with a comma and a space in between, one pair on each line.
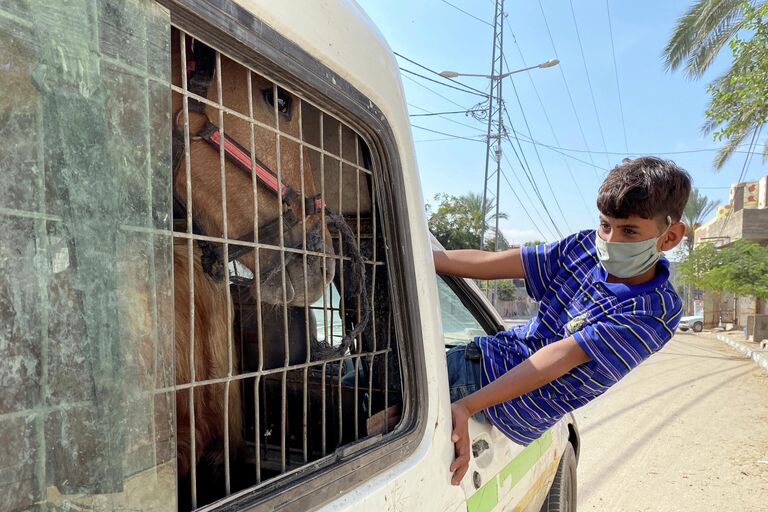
252, 214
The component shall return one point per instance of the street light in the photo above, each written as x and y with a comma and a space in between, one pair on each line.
455, 74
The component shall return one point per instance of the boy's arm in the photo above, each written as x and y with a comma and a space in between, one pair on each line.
545, 365
477, 264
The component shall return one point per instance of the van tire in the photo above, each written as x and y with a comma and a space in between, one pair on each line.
562, 494
697, 327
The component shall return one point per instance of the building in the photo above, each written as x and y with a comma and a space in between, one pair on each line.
744, 217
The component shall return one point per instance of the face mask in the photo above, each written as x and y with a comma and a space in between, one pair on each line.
629, 259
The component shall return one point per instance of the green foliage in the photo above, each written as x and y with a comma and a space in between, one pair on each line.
696, 210
740, 268
739, 99
533, 242
456, 221
701, 33
505, 289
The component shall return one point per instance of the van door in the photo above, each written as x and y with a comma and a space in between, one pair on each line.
502, 475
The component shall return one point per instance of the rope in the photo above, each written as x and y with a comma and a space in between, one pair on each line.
349, 248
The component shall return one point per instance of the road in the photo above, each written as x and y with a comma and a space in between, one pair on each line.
686, 430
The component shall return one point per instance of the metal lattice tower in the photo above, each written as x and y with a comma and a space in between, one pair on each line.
496, 128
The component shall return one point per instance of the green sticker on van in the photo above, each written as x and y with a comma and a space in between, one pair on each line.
487, 497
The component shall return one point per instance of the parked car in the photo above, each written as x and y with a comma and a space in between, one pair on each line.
695, 322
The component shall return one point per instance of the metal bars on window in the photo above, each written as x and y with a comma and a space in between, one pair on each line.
264, 383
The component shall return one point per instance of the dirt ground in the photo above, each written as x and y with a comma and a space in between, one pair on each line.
687, 430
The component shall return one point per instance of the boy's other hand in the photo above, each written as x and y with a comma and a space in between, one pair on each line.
460, 439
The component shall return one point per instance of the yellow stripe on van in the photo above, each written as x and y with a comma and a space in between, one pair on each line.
487, 497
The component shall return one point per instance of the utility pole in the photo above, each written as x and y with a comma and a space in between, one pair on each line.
495, 129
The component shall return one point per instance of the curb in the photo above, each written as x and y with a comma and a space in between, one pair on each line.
760, 357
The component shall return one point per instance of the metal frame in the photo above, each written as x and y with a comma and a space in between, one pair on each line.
237, 33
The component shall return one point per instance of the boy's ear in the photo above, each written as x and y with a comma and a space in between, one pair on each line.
674, 236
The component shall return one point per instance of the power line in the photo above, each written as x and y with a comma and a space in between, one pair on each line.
520, 202
535, 149
747, 160
546, 117
451, 135
567, 88
529, 176
438, 82
449, 100
616, 74
467, 13
441, 114
555, 232
447, 118
422, 66
589, 82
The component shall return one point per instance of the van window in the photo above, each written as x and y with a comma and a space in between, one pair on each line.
199, 303
459, 324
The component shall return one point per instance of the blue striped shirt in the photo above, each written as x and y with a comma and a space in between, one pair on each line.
617, 325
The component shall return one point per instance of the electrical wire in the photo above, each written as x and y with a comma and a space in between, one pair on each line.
567, 88
546, 117
616, 74
438, 82
529, 176
441, 114
449, 100
535, 149
422, 66
589, 81
476, 128
451, 135
467, 13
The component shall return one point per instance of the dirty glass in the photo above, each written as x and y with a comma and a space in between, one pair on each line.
459, 326
86, 306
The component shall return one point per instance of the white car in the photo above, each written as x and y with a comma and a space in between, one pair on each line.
694, 322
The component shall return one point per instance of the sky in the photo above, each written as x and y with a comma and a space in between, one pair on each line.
660, 112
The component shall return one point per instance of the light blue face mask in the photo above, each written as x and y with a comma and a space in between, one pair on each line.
629, 259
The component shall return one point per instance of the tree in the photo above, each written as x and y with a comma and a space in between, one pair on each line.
533, 242
740, 268
737, 108
696, 210
457, 221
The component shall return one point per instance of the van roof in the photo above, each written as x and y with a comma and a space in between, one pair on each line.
340, 35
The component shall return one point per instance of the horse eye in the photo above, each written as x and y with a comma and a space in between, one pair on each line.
283, 100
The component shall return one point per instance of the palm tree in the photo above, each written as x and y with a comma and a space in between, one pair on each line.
701, 33
696, 210
696, 40
474, 203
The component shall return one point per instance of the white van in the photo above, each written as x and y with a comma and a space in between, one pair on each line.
217, 289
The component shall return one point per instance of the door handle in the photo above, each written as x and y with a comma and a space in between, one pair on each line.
479, 447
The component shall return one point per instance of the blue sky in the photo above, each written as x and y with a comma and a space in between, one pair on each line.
662, 111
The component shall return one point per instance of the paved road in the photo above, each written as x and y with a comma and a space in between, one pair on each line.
687, 430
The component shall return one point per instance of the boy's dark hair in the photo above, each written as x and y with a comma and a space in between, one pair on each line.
648, 187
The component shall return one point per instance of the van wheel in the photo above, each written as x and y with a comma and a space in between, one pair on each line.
562, 494
697, 327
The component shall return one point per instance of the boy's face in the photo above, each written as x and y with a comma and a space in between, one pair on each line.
637, 229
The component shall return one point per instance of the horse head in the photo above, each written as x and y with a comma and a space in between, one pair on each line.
251, 208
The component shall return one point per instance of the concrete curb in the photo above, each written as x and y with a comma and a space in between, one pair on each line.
760, 357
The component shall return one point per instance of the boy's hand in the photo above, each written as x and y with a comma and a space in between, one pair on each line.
460, 438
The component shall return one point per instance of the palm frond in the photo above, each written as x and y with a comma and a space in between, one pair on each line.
728, 148
700, 34
706, 51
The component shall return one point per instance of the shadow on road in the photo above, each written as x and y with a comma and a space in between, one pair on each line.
653, 429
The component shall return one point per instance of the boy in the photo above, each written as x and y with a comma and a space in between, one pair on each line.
605, 305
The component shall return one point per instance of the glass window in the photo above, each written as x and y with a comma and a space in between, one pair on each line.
459, 324
86, 304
